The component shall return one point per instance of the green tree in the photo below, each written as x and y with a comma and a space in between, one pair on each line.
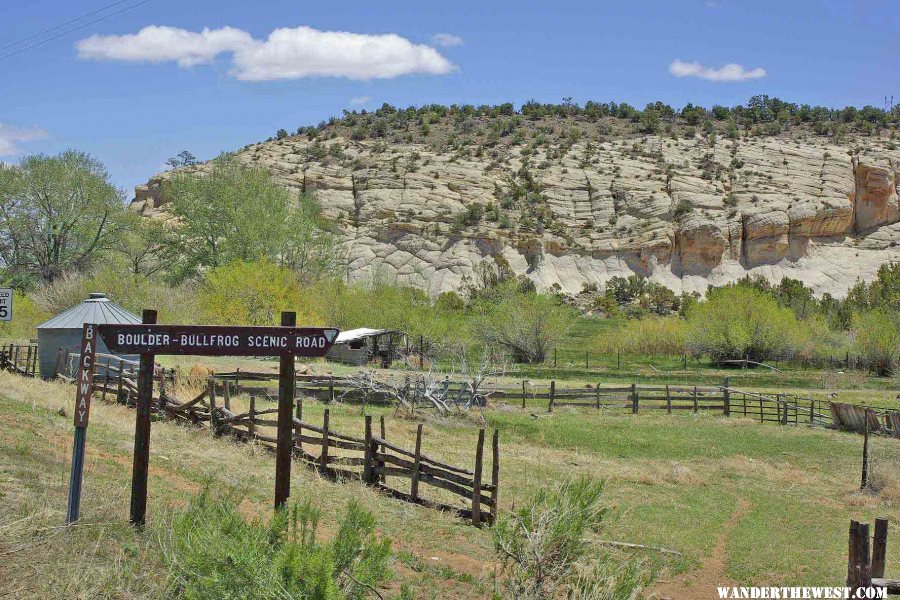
236, 212
57, 214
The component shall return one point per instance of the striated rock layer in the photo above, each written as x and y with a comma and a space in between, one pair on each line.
677, 211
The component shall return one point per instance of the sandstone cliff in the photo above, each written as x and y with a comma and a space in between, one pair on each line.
685, 212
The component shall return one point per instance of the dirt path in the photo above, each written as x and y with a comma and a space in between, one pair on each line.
700, 584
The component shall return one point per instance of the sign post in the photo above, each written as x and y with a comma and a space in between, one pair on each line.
149, 340
6, 300
83, 393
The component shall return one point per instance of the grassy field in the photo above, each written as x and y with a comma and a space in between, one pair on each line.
741, 502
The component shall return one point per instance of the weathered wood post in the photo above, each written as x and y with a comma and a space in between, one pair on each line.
85, 384
597, 395
119, 383
383, 477
587, 361
552, 396
141, 466
287, 386
251, 422
668, 400
476, 486
879, 547
226, 393
28, 360
634, 399
213, 419
417, 459
865, 454
495, 476
865, 556
323, 454
744, 401
761, 418
523, 393
695, 400
368, 454
726, 397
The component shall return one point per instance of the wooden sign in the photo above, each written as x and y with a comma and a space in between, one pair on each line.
6, 299
85, 375
83, 391
210, 340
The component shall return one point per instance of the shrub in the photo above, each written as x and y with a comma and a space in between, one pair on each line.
524, 324
684, 207
251, 293
544, 548
658, 335
213, 552
739, 321
878, 339
27, 315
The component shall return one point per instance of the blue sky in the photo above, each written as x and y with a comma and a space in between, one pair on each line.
135, 100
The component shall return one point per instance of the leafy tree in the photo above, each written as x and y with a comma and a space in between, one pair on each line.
237, 213
145, 243
57, 214
184, 159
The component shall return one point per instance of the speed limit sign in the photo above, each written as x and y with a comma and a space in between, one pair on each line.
6, 298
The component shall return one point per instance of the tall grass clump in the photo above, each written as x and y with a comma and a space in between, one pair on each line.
213, 552
649, 336
545, 548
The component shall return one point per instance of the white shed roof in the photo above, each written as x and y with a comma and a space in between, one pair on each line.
356, 334
96, 309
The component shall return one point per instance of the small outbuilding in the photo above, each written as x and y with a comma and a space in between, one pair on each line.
360, 346
65, 329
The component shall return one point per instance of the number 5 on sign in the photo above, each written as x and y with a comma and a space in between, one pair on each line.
6, 298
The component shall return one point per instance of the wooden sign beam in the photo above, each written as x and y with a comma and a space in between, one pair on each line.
210, 340
141, 466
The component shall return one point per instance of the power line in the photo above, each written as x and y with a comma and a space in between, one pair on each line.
61, 25
73, 30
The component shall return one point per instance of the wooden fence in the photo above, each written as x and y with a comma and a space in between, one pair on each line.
370, 458
866, 558
19, 358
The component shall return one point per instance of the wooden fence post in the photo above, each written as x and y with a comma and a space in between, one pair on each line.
28, 360
523, 393
587, 359
668, 400
852, 557
744, 401
213, 421
105, 380
865, 557
383, 450
417, 459
331, 389
726, 397
226, 391
476, 487
251, 423
597, 395
695, 400
119, 383
495, 476
865, 454
368, 459
323, 455
552, 396
634, 399
879, 547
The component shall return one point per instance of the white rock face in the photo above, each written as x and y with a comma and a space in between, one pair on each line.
677, 211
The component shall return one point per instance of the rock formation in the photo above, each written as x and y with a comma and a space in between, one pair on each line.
684, 212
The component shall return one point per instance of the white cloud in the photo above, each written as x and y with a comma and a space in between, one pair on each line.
285, 54
446, 40
360, 100
712, 4
11, 136
729, 72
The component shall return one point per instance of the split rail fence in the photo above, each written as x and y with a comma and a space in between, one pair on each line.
370, 458
19, 358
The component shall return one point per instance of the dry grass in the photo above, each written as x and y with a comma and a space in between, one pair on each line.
672, 481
